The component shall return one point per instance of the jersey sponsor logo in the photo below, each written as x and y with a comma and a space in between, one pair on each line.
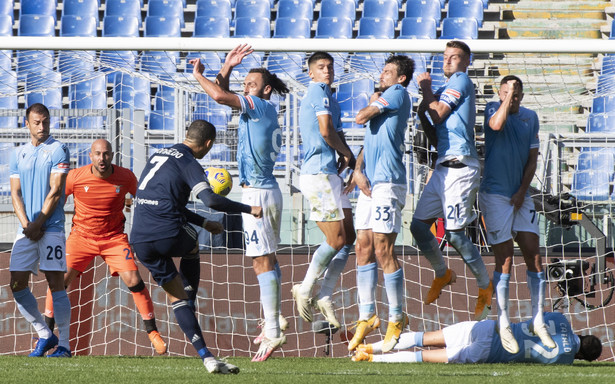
146, 201
86, 188
453, 93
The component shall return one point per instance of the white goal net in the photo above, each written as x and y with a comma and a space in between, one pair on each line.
140, 95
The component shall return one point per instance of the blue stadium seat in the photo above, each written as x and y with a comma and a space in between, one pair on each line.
593, 175
424, 8
75, 25
167, 9
131, 92
36, 25
290, 27
254, 60
160, 26
606, 83
252, 9
357, 86
296, 9
121, 26
418, 28
45, 87
213, 8
603, 104
125, 8
163, 116
6, 60
608, 65
205, 108
38, 7
88, 94
79, 154
370, 63
470, 9
81, 8
8, 86
437, 71
252, 27
218, 153
211, 61
161, 63
600, 122
459, 28
33, 61
376, 28
6, 8
338, 8
350, 105
286, 63
612, 33
205, 26
334, 28
6, 25
381, 8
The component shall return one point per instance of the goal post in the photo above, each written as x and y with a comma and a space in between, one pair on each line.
139, 94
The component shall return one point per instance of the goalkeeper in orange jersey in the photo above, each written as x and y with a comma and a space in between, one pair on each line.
99, 191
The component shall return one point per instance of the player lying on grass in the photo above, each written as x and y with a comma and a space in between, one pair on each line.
479, 342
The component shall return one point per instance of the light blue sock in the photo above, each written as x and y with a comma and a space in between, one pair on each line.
27, 305
501, 284
428, 245
333, 272
270, 300
61, 310
537, 283
470, 255
367, 277
394, 285
320, 261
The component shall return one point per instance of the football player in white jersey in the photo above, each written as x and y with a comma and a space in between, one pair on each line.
511, 143
260, 139
380, 174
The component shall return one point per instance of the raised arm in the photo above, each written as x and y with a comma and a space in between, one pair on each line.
498, 121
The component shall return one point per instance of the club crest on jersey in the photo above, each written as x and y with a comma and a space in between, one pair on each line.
325, 102
117, 188
86, 188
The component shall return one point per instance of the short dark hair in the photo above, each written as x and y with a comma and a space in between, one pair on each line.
460, 45
405, 66
37, 108
272, 80
591, 347
319, 55
200, 131
507, 78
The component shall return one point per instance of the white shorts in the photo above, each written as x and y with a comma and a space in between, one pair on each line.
324, 192
469, 341
262, 236
501, 219
48, 254
450, 194
382, 212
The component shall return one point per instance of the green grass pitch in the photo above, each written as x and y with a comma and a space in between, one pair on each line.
290, 370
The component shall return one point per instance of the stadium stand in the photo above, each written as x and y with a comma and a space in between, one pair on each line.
8, 87
206, 26
37, 92
38, 7
77, 25
252, 9
252, 27
167, 9
459, 28
88, 94
7, 8
338, 8
162, 117
334, 27
125, 8
213, 8
469, 9
290, 27
83, 8
603, 104
296, 9
376, 28
6, 25
424, 8
131, 92
418, 28
593, 176
381, 8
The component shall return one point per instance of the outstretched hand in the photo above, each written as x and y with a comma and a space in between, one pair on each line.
214, 227
236, 55
198, 67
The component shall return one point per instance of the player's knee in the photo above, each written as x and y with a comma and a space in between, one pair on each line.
461, 243
421, 232
138, 287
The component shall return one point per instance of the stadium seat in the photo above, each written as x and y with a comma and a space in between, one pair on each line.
334, 28
88, 94
205, 26
125, 8
608, 65
211, 61
296, 9
205, 108
376, 28
131, 92
459, 28
163, 116
167, 9
290, 27
593, 175
600, 122
44, 87
603, 104
369, 63
424, 8
252, 27
254, 60
33, 61
338, 8
6, 59
83, 8
252, 9
36, 25
120, 26
286, 63
605, 85
75, 25
6, 8
38, 7
418, 28
8, 87
213, 8
381, 8
469, 9
357, 86
437, 71
161, 63
6, 25
350, 105
160, 26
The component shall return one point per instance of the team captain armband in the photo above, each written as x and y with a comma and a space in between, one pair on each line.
380, 103
450, 97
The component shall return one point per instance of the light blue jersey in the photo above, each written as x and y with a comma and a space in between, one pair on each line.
456, 133
384, 138
531, 349
260, 139
319, 157
33, 166
507, 150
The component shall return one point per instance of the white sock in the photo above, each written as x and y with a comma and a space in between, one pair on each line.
320, 261
399, 357
26, 303
270, 301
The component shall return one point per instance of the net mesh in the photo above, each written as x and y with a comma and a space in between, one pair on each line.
141, 101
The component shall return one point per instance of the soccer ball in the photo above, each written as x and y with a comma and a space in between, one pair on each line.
220, 180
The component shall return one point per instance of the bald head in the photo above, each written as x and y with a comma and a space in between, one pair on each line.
101, 155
